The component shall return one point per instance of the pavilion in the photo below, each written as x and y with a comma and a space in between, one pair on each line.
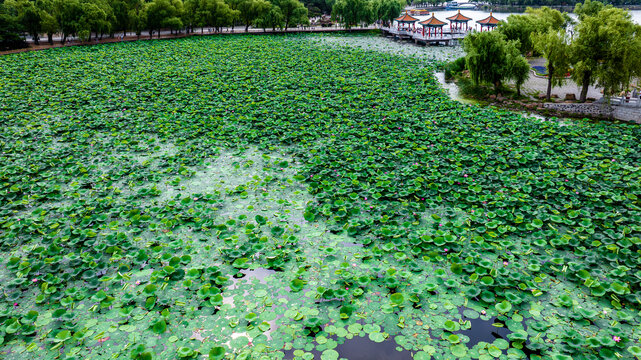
432, 23
406, 19
457, 21
491, 22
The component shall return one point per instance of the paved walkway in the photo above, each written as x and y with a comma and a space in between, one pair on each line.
539, 85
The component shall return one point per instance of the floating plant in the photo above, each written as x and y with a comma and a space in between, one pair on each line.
303, 196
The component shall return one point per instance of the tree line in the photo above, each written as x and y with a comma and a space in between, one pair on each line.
87, 18
96, 18
602, 48
531, 2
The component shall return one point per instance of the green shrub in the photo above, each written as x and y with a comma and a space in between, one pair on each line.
454, 68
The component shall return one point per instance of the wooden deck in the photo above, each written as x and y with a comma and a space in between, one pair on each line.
448, 37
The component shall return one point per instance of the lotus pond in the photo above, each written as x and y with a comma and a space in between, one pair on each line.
266, 197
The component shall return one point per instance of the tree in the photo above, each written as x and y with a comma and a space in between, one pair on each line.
271, 19
294, 12
604, 48
217, 13
387, 10
192, 16
137, 16
553, 45
520, 27
486, 57
622, 54
68, 15
163, 13
122, 20
48, 21
589, 8
490, 58
546, 18
97, 17
28, 17
318, 7
250, 10
517, 67
352, 12
9, 29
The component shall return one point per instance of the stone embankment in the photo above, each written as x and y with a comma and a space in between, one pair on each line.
617, 112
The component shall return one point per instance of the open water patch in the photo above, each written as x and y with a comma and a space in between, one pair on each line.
482, 330
356, 348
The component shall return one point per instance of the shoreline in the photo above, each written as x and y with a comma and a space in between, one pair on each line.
519, 8
562, 8
108, 40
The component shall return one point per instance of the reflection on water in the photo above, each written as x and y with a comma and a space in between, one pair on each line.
362, 348
483, 330
449, 86
348, 244
260, 274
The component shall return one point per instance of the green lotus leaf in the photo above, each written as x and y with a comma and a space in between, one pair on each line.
537, 223
251, 317
397, 299
459, 351
451, 326
635, 350
494, 351
159, 326
62, 336
217, 353
297, 285
184, 352
261, 219
503, 306
561, 357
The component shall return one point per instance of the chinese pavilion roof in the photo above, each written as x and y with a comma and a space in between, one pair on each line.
490, 21
406, 18
433, 22
459, 17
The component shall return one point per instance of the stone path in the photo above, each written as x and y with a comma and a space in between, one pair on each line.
537, 84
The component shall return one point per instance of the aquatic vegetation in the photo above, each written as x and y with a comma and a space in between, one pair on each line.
266, 197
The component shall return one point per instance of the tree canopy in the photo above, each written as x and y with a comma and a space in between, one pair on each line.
88, 18
520, 27
492, 59
606, 49
554, 47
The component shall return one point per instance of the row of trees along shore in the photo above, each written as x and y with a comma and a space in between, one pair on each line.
83, 18
87, 18
602, 48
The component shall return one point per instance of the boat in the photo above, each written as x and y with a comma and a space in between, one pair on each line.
453, 5
418, 12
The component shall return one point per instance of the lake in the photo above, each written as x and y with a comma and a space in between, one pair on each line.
479, 14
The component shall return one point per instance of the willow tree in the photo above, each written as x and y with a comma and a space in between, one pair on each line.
605, 50
553, 45
250, 10
352, 12
492, 59
387, 10
517, 68
294, 12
